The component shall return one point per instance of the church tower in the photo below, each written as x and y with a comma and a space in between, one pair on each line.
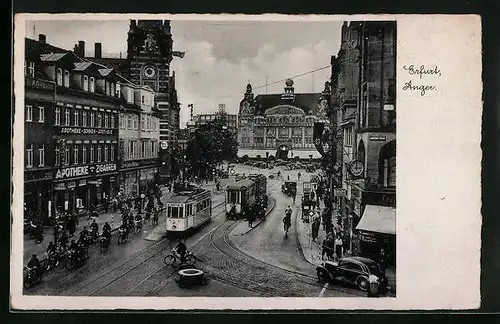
149, 52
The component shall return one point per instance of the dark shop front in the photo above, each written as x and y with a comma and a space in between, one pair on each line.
78, 188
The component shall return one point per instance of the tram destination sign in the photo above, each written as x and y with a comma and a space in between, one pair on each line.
84, 131
86, 170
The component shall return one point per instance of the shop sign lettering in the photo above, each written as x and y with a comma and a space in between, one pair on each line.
377, 138
84, 131
79, 171
39, 84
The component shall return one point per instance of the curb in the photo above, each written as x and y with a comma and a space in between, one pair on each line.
301, 250
261, 220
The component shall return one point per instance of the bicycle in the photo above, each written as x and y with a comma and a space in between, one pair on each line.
172, 259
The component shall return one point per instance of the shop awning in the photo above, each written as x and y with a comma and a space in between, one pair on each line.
378, 219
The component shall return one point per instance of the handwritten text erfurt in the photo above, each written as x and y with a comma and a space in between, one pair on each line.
421, 72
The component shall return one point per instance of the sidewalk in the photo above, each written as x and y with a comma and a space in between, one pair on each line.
242, 228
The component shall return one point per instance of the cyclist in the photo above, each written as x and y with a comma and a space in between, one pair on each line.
181, 249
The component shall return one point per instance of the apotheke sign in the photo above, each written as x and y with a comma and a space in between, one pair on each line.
79, 171
84, 131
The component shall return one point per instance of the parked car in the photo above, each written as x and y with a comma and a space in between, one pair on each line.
352, 270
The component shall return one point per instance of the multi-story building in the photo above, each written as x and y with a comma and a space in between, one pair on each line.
139, 139
230, 121
83, 118
363, 100
279, 124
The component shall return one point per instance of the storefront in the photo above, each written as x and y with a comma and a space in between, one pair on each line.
37, 200
76, 189
137, 176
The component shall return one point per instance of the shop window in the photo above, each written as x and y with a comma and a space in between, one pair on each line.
92, 119
41, 155
85, 83
84, 154
84, 118
29, 155
66, 78
59, 77
66, 117
29, 113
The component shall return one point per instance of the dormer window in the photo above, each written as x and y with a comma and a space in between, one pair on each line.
107, 88
130, 96
92, 84
66, 78
85, 83
112, 90
59, 77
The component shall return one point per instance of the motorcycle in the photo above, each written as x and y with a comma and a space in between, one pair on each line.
94, 236
122, 235
75, 259
51, 260
32, 277
104, 243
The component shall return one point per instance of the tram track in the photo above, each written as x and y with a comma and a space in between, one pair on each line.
156, 250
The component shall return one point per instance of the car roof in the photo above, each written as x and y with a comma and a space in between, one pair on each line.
359, 259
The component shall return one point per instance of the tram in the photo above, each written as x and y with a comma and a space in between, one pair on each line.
188, 209
244, 194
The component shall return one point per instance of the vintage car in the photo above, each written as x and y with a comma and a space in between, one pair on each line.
289, 188
352, 270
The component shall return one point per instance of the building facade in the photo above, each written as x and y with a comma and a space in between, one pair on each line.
138, 139
364, 106
81, 147
230, 121
279, 124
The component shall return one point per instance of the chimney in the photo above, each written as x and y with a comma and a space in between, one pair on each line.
97, 50
81, 49
42, 38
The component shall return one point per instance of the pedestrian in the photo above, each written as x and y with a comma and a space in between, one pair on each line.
382, 260
315, 229
338, 247
71, 225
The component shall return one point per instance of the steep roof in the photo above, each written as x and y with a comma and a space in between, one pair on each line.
305, 101
52, 57
82, 66
120, 65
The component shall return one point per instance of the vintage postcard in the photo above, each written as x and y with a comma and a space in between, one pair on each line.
246, 162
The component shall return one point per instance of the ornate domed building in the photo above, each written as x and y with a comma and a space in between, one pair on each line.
279, 124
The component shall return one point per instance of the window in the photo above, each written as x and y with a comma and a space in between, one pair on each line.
136, 151
29, 155
117, 90
66, 117
84, 118
107, 88
57, 155
99, 153
66, 78
75, 117
148, 123
112, 122
106, 151
112, 91
130, 150
92, 84
99, 119
29, 113
84, 153
129, 121
112, 153
143, 149
75, 154
106, 120
136, 122
41, 114
66, 155
92, 119
57, 121
143, 123
59, 77
85, 83
123, 121
153, 149
130, 96
41, 155
30, 70
92, 153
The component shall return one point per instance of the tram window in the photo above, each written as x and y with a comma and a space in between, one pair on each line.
233, 196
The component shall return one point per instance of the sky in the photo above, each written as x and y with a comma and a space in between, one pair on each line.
221, 56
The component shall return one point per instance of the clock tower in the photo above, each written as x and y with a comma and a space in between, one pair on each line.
149, 52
